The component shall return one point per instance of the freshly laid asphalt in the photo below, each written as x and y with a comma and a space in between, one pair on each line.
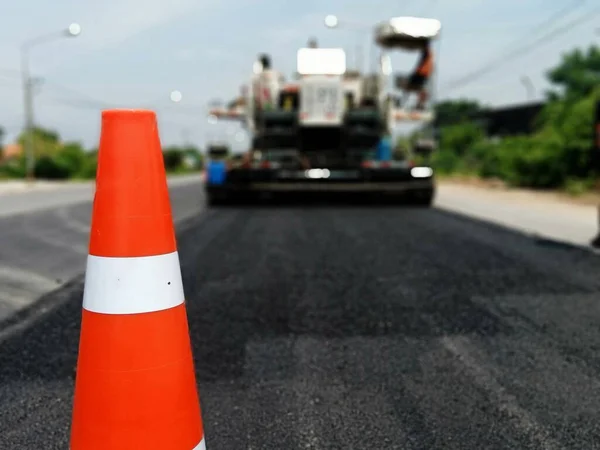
354, 327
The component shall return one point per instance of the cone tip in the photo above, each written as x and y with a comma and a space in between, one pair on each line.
128, 113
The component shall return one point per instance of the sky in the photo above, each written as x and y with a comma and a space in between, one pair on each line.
134, 53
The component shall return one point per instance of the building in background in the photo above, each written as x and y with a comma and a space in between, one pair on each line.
10, 152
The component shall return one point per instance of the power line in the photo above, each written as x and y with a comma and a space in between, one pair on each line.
191, 111
81, 104
509, 54
544, 39
14, 74
560, 14
83, 97
84, 101
549, 22
516, 45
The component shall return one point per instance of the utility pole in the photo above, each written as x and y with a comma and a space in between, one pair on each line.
596, 156
596, 162
28, 144
28, 84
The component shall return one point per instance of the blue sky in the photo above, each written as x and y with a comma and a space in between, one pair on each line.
135, 52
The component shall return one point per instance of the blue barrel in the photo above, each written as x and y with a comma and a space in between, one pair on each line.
216, 172
384, 149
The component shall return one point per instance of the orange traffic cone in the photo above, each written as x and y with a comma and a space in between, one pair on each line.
135, 386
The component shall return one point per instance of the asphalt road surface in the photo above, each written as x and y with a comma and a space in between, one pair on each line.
44, 237
353, 328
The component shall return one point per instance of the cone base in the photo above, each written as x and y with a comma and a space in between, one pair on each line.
135, 384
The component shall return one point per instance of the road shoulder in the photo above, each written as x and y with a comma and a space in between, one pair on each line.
18, 197
548, 215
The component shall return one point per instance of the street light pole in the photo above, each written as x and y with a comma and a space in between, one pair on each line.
28, 84
526, 81
28, 109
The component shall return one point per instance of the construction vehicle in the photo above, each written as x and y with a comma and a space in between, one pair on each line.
320, 133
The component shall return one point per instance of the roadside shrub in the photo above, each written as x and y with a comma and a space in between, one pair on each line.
576, 187
73, 157
88, 169
553, 157
460, 138
445, 161
15, 168
174, 159
50, 168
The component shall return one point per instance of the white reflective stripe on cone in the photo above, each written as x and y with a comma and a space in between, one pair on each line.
200, 446
132, 285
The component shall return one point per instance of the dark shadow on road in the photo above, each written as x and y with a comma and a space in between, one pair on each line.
321, 200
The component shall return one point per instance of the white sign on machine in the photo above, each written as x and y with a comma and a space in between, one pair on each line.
321, 89
321, 101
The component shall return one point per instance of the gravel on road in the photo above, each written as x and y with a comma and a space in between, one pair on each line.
354, 327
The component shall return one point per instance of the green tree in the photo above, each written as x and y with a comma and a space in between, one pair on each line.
449, 112
577, 75
456, 144
460, 138
173, 158
88, 170
47, 167
558, 153
66, 162
1, 142
45, 142
74, 155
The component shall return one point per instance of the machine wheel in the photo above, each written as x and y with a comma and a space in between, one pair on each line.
214, 199
424, 197
211, 200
